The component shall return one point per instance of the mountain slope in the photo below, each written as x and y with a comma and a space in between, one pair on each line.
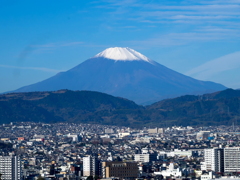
18, 110
219, 108
61, 106
126, 73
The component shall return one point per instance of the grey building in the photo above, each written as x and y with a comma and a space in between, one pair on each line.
11, 168
232, 159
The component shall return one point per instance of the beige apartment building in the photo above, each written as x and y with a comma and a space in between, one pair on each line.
122, 170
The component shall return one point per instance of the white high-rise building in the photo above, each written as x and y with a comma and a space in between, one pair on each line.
232, 159
11, 168
209, 159
90, 166
213, 159
222, 159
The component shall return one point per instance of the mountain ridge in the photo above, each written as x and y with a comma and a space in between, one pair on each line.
219, 108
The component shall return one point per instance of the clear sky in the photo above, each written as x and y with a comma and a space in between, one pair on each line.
41, 38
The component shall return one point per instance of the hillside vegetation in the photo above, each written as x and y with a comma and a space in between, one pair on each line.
220, 108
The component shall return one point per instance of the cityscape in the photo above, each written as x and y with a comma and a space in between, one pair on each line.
89, 151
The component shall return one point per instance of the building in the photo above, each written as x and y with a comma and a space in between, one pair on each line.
207, 176
155, 131
21, 138
214, 159
182, 153
91, 166
209, 159
232, 159
75, 137
145, 156
202, 135
171, 171
123, 134
225, 160
121, 170
109, 131
11, 168
76, 169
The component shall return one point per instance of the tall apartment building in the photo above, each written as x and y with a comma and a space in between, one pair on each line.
222, 159
91, 166
11, 168
232, 159
214, 159
121, 170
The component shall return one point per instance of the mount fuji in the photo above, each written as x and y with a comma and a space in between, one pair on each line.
126, 73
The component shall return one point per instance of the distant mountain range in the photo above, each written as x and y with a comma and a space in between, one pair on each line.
219, 108
124, 72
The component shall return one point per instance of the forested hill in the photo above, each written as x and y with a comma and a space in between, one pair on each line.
220, 108
62, 106
217, 108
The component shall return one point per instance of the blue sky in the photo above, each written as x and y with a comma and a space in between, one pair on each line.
41, 38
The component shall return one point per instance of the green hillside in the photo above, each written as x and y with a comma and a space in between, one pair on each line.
220, 108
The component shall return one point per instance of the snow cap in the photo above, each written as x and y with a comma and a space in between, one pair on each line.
122, 54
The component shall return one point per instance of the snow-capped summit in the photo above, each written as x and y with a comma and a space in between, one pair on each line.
125, 73
122, 54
